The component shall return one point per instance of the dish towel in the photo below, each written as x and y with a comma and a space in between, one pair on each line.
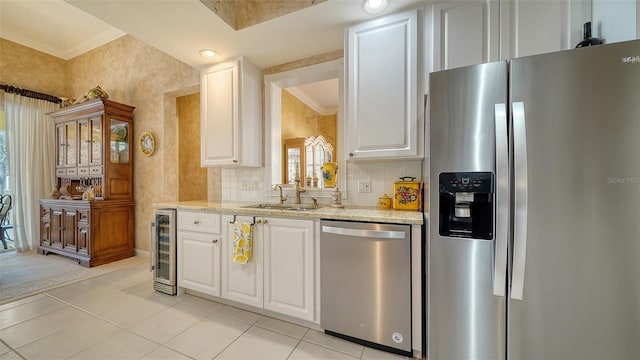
242, 242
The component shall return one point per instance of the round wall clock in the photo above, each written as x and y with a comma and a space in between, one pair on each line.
146, 143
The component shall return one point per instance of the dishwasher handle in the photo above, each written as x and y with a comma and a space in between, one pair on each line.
370, 233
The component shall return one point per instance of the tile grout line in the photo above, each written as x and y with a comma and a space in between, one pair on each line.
295, 347
151, 340
85, 311
231, 343
335, 349
251, 325
96, 316
115, 324
181, 332
11, 349
40, 338
254, 324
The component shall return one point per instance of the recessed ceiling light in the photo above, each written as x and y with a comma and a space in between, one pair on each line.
208, 53
374, 6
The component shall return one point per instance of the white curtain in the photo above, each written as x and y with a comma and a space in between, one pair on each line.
31, 148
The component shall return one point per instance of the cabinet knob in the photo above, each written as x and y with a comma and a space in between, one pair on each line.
214, 241
196, 222
264, 221
350, 154
235, 161
258, 221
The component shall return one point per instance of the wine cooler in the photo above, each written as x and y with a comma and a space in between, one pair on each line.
162, 250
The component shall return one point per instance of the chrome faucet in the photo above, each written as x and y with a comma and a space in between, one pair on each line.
298, 190
282, 198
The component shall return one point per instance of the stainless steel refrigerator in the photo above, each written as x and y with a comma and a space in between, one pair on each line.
534, 246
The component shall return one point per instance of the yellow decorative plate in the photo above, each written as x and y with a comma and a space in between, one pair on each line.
146, 143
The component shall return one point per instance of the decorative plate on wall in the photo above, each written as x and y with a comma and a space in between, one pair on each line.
146, 143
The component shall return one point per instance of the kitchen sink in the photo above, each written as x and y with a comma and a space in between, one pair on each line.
294, 207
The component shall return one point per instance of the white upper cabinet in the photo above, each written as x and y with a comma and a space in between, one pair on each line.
385, 106
538, 27
231, 114
460, 33
464, 33
615, 21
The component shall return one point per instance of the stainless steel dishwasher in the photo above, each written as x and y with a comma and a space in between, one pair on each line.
365, 271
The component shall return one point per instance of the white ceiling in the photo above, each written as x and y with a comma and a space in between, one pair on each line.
53, 27
180, 28
321, 96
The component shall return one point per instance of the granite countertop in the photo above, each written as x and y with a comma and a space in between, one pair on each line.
323, 212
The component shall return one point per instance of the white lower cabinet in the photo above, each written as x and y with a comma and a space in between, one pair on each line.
241, 282
280, 275
289, 267
200, 271
199, 252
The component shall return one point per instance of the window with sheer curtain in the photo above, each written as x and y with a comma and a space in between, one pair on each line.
30, 148
4, 160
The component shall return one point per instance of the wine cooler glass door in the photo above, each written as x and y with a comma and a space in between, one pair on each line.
165, 248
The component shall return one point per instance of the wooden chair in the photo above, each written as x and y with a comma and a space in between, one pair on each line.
5, 206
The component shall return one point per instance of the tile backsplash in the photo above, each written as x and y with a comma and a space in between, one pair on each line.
250, 185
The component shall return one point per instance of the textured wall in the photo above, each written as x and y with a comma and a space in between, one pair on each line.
192, 178
301, 121
318, 59
240, 14
137, 74
27, 68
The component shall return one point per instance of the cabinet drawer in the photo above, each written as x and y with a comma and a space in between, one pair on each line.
61, 172
83, 171
72, 171
199, 221
95, 170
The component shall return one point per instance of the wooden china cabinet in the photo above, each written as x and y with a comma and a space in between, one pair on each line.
92, 221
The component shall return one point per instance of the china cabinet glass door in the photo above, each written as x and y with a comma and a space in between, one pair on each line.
119, 141
85, 142
62, 145
96, 140
70, 143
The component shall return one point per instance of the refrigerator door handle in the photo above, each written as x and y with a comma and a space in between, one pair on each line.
152, 251
502, 201
520, 200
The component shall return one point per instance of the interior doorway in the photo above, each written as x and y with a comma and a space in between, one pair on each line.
192, 178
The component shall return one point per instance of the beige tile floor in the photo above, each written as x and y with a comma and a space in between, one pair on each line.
119, 316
